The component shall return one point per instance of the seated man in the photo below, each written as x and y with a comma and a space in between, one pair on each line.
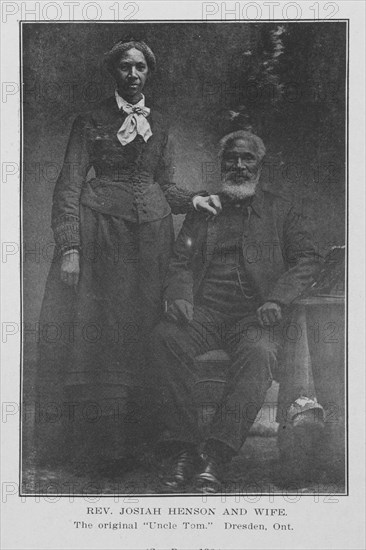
228, 282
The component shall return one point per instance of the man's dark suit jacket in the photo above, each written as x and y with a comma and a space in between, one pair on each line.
279, 255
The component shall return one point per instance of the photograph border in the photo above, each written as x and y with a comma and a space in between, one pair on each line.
22, 23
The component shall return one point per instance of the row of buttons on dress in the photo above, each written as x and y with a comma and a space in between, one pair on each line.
137, 184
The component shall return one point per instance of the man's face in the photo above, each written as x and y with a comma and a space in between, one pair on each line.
239, 163
130, 73
240, 170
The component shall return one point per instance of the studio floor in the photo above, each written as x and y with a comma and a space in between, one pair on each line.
257, 470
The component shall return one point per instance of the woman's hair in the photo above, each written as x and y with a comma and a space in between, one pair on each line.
254, 142
112, 57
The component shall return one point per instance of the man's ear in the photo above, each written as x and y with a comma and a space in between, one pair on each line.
260, 164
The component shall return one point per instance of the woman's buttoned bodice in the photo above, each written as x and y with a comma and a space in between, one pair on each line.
134, 182
128, 178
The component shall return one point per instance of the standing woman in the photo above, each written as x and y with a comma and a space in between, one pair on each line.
113, 237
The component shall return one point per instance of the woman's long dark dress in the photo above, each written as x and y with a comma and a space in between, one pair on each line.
92, 345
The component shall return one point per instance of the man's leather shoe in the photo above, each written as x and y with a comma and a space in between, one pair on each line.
183, 471
209, 480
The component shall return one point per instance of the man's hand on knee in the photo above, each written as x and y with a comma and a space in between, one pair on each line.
269, 314
180, 311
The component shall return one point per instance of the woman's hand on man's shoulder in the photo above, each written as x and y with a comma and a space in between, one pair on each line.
210, 205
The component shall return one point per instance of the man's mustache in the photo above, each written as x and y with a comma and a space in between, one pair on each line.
235, 175
241, 172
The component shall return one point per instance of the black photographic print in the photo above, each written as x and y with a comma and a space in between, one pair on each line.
184, 258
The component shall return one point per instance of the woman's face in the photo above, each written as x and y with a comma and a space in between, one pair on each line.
131, 72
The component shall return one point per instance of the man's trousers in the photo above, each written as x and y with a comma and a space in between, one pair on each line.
253, 351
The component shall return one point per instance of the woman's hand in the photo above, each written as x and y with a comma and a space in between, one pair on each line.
70, 268
210, 205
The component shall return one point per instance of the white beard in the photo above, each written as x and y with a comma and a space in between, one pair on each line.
240, 192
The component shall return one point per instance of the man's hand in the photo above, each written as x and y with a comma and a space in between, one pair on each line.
70, 268
211, 205
180, 311
269, 314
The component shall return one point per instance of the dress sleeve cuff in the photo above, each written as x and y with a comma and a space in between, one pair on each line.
66, 233
70, 251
